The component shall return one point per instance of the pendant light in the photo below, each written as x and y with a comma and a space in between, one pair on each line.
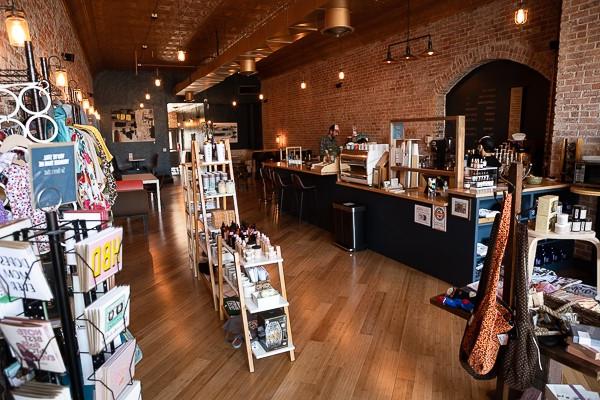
181, 55
407, 53
141, 105
234, 103
85, 104
341, 75
17, 27
157, 80
303, 84
180, 51
147, 95
429, 50
521, 13
261, 97
388, 58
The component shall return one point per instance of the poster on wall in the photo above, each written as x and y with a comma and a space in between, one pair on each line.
226, 130
439, 218
423, 215
133, 125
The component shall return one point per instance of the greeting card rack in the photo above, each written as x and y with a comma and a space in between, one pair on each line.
68, 298
202, 201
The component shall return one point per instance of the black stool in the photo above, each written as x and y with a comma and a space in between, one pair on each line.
266, 182
300, 190
280, 188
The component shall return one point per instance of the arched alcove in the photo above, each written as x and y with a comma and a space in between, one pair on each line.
484, 96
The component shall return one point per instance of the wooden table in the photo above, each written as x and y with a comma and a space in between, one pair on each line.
147, 179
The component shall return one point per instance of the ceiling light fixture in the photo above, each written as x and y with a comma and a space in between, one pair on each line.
408, 55
154, 15
147, 95
144, 46
247, 66
189, 96
337, 18
17, 27
141, 105
181, 55
521, 13
303, 84
234, 103
341, 75
261, 97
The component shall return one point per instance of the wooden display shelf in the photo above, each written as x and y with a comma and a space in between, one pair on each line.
213, 163
260, 262
557, 353
485, 221
259, 352
218, 196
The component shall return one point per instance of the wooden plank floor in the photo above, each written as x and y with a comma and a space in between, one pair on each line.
363, 328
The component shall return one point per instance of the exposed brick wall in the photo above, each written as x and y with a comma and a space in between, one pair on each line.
577, 112
51, 34
374, 93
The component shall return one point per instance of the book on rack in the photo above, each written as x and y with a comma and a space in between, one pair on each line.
39, 390
116, 373
99, 257
132, 392
21, 272
107, 317
33, 342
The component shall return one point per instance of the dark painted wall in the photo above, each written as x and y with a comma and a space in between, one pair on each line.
484, 97
247, 113
115, 90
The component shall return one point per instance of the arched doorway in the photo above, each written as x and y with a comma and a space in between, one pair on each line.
485, 96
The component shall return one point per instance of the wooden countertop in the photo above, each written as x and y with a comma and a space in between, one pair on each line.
585, 190
545, 185
410, 194
297, 168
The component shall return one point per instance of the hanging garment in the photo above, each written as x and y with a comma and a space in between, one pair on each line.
90, 179
18, 192
481, 342
60, 116
522, 360
110, 185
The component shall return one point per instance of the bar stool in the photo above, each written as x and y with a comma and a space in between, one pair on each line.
300, 190
280, 188
266, 182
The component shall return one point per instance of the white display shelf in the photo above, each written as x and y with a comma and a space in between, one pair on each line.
253, 308
260, 262
259, 352
208, 164
562, 236
218, 196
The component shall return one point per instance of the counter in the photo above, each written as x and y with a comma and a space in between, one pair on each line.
546, 185
317, 211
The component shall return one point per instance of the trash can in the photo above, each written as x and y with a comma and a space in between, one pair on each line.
349, 226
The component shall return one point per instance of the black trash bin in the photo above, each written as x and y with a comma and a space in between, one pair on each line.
349, 226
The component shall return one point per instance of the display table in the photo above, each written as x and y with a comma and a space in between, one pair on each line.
147, 179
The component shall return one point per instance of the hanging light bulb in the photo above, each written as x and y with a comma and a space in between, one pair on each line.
408, 55
61, 78
157, 82
234, 103
17, 27
85, 104
261, 97
181, 55
141, 105
429, 50
147, 96
388, 58
303, 84
341, 75
521, 14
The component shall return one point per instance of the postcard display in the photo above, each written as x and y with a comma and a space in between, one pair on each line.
62, 318
104, 349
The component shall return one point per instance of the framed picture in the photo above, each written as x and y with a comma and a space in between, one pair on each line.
461, 207
423, 215
226, 130
130, 125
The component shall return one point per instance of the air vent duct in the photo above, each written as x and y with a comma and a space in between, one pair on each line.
337, 19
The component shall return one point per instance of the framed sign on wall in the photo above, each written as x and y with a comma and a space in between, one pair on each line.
133, 125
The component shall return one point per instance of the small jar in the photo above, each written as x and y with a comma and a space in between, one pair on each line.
222, 187
230, 186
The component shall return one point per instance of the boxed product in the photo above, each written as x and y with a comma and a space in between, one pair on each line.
266, 298
569, 392
272, 329
547, 205
544, 223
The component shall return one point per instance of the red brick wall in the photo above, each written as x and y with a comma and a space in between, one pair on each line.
52, 34
374, 93
577, 112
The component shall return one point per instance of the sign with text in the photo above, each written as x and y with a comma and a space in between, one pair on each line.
53, 174
439, 218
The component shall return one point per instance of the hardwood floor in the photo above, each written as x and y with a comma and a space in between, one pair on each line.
363, 328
